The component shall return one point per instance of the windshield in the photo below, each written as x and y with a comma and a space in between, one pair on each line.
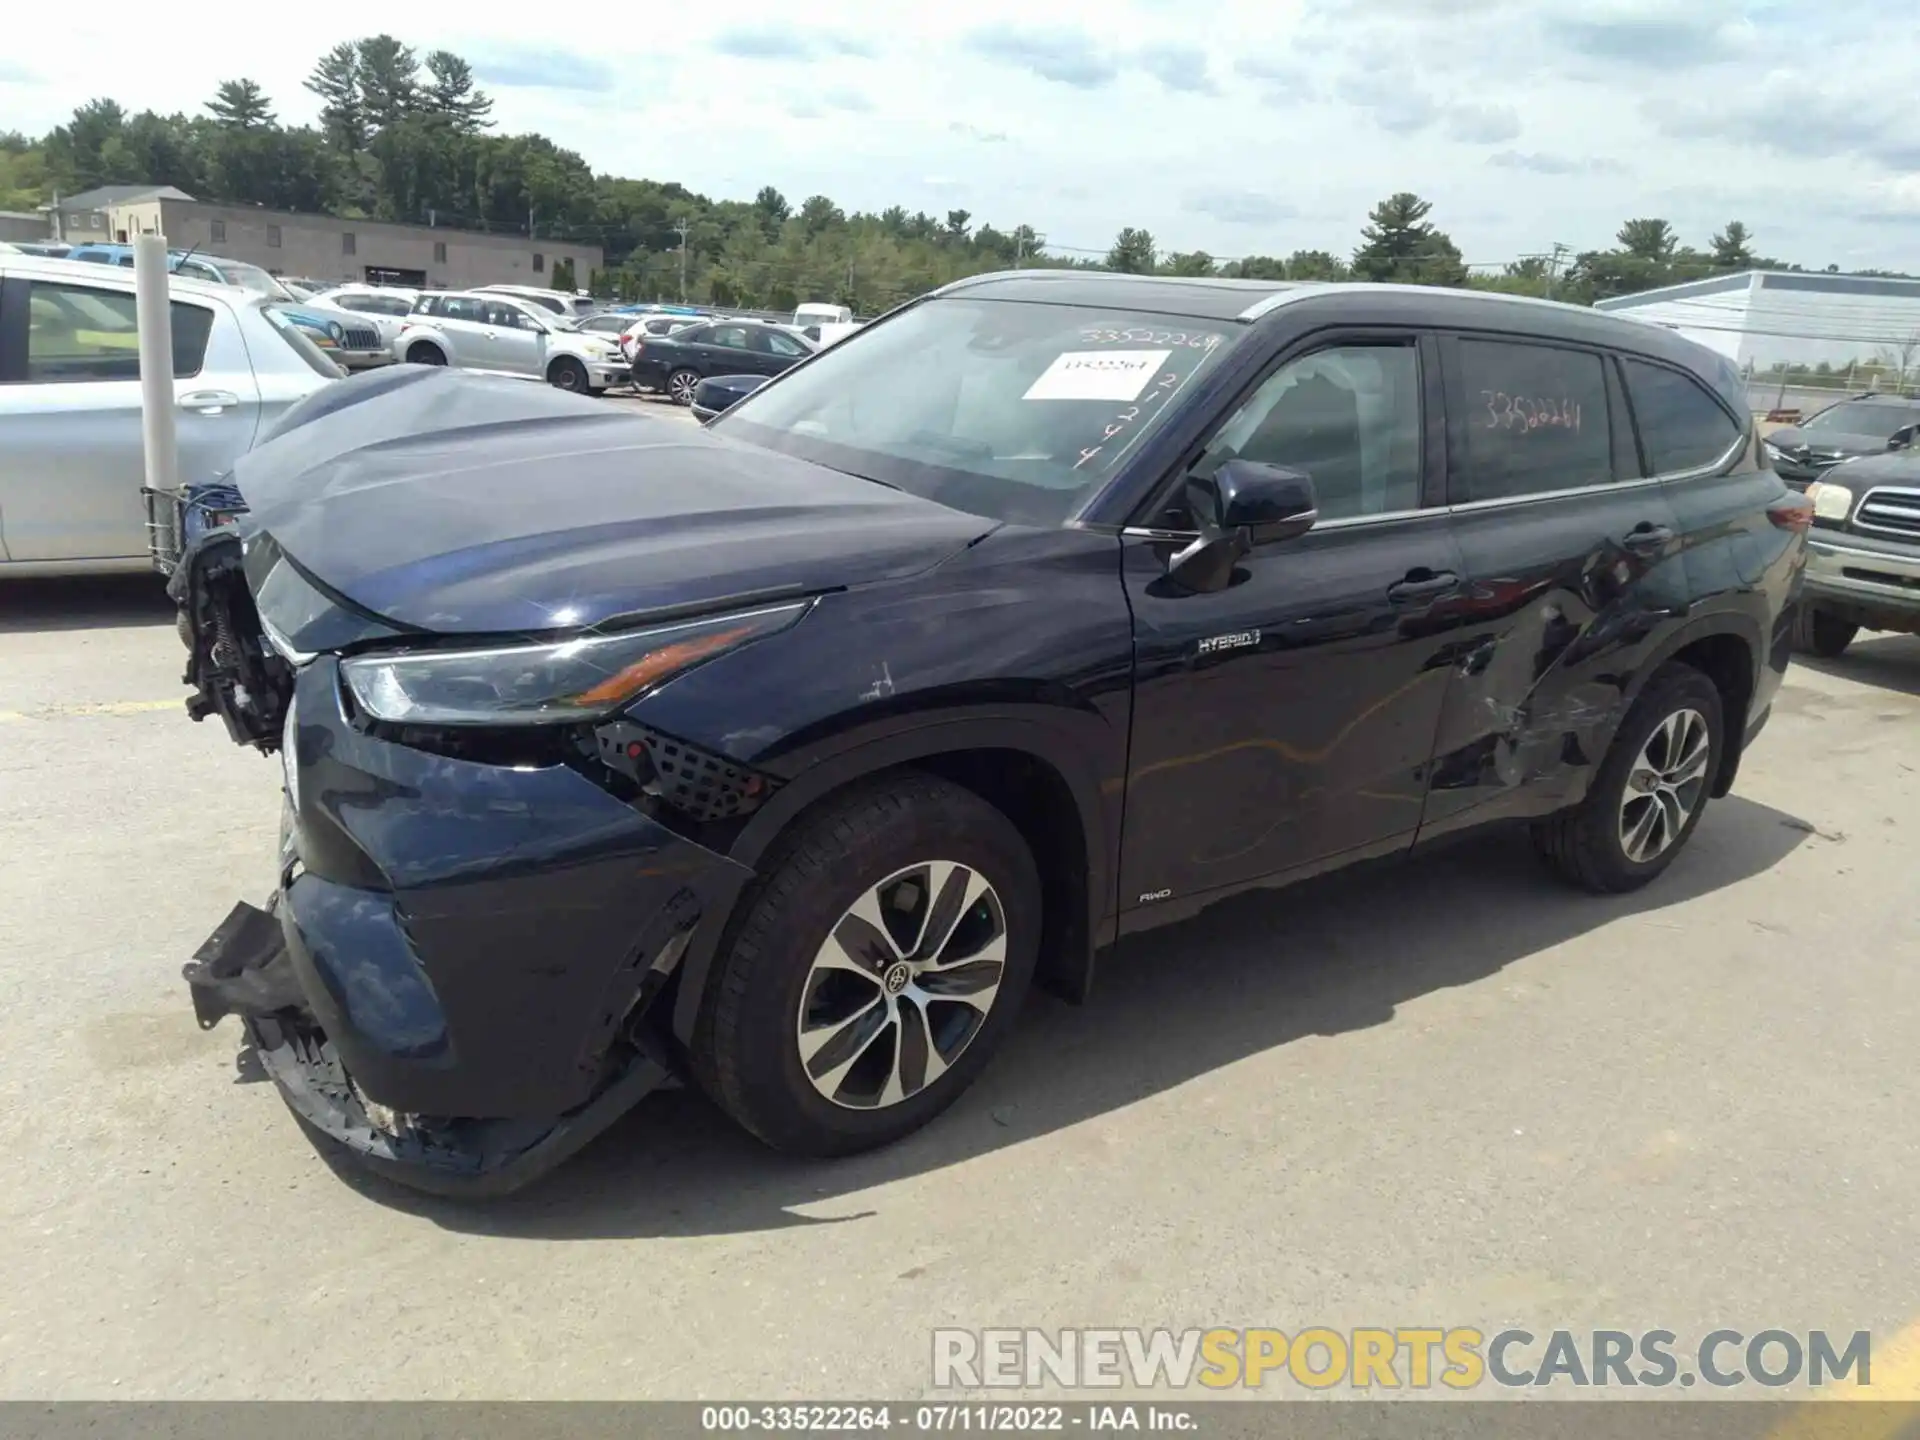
1009, 409
1866, 417
252, 277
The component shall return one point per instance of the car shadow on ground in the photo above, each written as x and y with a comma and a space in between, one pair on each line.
90, 602
1249, 975
1891, 662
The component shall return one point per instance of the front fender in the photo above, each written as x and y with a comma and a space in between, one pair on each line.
1061, 740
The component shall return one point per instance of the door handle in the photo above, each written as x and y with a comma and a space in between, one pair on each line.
1647, 537
1422, 585
209, 402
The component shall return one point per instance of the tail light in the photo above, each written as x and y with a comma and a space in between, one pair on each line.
1794, 512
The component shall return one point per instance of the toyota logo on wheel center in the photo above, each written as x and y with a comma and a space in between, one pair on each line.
897, 977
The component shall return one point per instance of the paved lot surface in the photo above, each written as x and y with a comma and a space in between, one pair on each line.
1450, 1094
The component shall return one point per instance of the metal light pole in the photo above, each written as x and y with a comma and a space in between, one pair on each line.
153, 316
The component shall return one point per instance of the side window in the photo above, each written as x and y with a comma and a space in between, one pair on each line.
783, 344
506, 317
1681, 426
75, 333
462, 307
1535, 420
426, 305
731, 337
1349, 417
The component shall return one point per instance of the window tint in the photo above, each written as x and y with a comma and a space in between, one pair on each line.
427, 305
1681, 426
783, 344
462, 307
731, 337
1535, 420
507, 317
1349, 417
77, 333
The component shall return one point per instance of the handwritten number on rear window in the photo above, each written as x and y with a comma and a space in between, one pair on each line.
1527, 413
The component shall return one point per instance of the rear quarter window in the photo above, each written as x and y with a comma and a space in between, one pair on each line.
1681, 426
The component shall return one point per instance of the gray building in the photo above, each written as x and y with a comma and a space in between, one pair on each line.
1765, 318
17, 225
320, 247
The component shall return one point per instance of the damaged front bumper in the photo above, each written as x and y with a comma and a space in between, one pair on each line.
456, 978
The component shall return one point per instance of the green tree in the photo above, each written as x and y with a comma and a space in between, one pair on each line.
451, 95
1190, 262
388, 76
1399, 245
1653, 241
563, 275
241, 104
1316, 265
336, 80
1132, 253
1733, 247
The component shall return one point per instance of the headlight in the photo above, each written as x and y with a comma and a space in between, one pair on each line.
558, 683
1830, 501
337, 331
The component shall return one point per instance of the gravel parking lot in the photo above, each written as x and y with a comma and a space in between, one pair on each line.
1449, 1094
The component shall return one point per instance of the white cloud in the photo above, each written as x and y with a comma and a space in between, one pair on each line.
1269, 127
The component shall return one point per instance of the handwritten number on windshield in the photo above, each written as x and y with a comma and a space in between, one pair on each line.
1122, 423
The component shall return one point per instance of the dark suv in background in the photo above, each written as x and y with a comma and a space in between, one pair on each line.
1048, 609
1863, 555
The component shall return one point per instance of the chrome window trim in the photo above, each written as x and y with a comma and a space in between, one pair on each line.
1343, 522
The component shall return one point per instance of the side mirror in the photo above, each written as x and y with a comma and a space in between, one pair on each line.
1241, 505
1903, 438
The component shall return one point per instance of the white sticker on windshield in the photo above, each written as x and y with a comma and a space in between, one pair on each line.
1097, 375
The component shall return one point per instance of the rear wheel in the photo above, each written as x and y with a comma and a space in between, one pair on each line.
1821, 633
426, 354
1650, 792
681, 385
568, 374
875, 971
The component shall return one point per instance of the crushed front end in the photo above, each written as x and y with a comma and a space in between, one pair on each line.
456, 977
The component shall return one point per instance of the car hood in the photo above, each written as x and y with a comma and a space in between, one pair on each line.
1827, 442
452, 502
1897, 467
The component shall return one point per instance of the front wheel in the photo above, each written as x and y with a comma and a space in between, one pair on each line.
875, 971
425, 354
1650, 791
1821, 633
567, 373
681, 385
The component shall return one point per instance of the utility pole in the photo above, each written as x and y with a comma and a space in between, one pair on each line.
680, 228
1560, 252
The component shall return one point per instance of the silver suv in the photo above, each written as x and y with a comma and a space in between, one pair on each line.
477, 330
71, 450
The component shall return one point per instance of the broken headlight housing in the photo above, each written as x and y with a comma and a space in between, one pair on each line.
585, 677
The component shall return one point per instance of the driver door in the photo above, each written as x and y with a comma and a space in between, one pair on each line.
1285, 723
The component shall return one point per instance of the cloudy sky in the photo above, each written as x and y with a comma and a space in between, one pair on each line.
1234, 126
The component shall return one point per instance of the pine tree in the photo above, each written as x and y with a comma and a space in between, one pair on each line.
1133, 252
242, 104
450, 94
336, 80
1398, 245
389, 78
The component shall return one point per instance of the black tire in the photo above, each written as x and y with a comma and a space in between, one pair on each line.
424, 353
681, 384
567, 373
1585, 845
1819, 632
746, 1050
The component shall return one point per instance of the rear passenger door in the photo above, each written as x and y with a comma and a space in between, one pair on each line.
1575, 565
72, 456
462, 319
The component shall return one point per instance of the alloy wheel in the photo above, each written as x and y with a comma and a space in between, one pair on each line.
1664, 785
682, 385
902, 985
